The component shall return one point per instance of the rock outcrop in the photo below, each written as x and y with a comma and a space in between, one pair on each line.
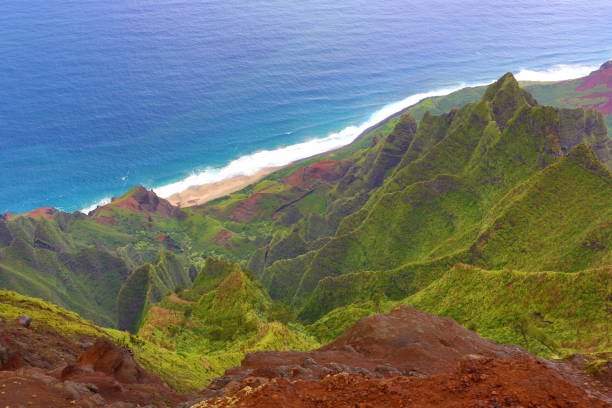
140, 200
106, 358
38, 369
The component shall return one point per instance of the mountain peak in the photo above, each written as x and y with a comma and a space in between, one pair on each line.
506, 97
139, 199
600, 77
605, 65
44, 212
506, 81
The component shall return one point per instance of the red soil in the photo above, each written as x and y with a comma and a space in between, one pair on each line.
45, 212
38, 369
223, 238
143, 201
404, 358
603, 107
36, 347
327, 170
247, 209
474, 383
603, 76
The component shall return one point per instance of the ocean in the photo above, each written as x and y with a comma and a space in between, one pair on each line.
98, 96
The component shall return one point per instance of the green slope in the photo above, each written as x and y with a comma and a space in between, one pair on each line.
211, 326
549, 313
437, 205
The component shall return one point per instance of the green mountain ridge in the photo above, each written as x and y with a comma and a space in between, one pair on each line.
438, 210
484, 206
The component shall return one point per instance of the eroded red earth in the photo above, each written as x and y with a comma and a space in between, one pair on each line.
42, 369
480, 382
602, 77
327, 170
406, 358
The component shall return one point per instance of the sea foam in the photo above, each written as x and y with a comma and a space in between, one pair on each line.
97, 204
556, 73
250, 164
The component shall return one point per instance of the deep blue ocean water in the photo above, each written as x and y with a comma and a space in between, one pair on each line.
97, 96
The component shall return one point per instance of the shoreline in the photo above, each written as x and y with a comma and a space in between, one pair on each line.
204, 193
199, 194
213, 183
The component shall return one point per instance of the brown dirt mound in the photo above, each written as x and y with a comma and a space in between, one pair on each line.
406, 343
106, 358
34, 387
38, 369
475, 382
40, 347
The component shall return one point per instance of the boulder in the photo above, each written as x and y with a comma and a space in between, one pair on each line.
105, 357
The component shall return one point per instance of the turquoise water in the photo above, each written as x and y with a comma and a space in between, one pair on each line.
97, 96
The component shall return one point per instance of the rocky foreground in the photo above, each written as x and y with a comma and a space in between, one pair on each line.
406, 358
44, 369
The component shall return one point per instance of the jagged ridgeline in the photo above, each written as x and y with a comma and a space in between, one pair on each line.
494, 195
505, 183
95, 264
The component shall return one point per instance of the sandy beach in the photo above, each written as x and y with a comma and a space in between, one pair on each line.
203, 193
200, 194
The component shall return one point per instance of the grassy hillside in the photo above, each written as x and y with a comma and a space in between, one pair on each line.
319, 217
48, 316
212, 325
567, 203
549, 313
441, 203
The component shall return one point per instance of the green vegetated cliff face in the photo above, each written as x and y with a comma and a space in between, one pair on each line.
549, 313
501, 183
82, 262
483, 205
439, 205
196, 334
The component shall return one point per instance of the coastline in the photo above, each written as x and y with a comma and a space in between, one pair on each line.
213, 183
199, 194
203, 193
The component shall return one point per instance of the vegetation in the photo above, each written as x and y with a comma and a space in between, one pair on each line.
483, 206
214, 324
549, 313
